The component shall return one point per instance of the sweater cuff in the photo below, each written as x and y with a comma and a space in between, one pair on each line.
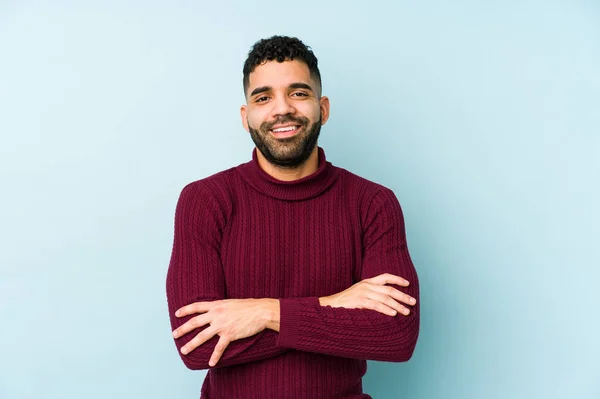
291, 313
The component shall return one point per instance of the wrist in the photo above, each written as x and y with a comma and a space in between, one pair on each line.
271, 314
325, 301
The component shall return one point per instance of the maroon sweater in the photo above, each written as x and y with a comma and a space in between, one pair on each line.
243, 234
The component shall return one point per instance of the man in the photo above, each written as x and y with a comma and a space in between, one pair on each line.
288, 273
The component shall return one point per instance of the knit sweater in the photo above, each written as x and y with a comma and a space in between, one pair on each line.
243, 234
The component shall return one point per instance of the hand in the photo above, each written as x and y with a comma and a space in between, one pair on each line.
230, 319
374, 294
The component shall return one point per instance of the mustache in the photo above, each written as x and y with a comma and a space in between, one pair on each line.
285, 119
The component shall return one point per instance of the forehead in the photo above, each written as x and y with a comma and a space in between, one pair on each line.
279, 74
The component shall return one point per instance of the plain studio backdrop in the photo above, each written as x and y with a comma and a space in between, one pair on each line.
483, 117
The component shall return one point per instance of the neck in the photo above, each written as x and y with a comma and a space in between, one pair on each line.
309, 167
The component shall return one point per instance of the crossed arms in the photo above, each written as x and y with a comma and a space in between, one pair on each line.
373, 319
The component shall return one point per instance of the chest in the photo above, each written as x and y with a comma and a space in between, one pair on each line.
281, 249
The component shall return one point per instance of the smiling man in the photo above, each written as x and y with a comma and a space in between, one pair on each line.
287, 273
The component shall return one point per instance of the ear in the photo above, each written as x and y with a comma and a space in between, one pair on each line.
244, 115
324, 104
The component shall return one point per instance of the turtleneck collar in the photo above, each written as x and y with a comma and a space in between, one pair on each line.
301, 189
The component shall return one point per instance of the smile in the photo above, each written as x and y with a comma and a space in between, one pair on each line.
286, 131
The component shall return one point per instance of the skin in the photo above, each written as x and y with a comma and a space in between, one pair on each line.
291, 93
288, 95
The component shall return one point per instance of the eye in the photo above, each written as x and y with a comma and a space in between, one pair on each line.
261, 99
300, 93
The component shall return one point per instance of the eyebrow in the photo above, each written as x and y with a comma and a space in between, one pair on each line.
296, 85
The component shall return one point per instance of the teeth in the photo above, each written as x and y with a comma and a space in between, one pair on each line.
285, 129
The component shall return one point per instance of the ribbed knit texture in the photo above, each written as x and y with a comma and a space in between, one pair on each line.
243, 234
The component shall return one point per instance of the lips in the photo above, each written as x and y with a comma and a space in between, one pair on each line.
285, 131
284, 128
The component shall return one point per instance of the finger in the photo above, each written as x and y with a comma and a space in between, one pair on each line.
199, 339
388, 302
379, 307
387, 278
218, 352
192, 324
196, 307
394, 293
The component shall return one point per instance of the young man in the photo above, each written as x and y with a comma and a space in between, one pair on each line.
288, 273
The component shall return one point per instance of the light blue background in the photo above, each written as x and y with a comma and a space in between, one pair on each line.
483, 117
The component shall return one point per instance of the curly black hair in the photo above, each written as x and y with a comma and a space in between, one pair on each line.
280, 48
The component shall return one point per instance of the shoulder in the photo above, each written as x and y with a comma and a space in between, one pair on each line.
378, 206
213, 193
366, 191
213, 185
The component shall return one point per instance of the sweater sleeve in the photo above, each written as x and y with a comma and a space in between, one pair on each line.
361, 333
195, 274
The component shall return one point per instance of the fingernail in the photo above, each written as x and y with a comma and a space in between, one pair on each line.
177, 313
413, 301
175, 334
184, 350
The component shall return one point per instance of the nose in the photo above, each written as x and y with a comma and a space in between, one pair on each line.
282, 106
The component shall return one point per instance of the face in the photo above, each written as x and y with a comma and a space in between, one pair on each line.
284, 112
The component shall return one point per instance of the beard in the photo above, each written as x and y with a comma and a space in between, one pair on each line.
289, 152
